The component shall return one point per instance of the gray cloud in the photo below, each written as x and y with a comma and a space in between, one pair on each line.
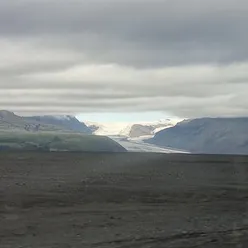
140, 33
188, 58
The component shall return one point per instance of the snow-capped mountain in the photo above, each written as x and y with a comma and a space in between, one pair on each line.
131, 130
146, 129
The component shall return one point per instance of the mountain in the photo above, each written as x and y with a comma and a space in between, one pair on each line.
206, 135
139, 130
130, 130
10, 121
50, 133
64, 121
146, 129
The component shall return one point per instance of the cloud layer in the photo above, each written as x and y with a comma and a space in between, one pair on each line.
188, 58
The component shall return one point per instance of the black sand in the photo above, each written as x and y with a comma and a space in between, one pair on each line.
123, 200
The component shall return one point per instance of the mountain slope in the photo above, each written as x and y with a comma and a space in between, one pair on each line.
138, 130
50, 133
66, 122
207, 135
145, 129
57, 141
12, 122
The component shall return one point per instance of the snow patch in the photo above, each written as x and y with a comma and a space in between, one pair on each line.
107, 128
61, 117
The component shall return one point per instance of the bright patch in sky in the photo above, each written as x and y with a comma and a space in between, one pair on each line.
122, 117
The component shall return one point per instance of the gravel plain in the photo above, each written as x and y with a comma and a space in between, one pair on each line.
139, 200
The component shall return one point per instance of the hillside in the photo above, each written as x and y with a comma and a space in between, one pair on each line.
64, 121
48, 141
207, 135
147, 128
50, 133
12, 122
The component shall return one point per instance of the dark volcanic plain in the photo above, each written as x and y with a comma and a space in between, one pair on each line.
63, 200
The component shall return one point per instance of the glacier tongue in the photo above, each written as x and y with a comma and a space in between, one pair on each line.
107, 128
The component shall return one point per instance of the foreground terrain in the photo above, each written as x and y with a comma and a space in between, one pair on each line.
55, 141
123, 200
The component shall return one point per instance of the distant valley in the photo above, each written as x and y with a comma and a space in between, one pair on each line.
202, 135
132, 136
65, 132
131, 130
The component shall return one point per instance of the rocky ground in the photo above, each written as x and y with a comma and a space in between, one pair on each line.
62, 200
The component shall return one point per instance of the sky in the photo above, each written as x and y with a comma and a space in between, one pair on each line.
122, 59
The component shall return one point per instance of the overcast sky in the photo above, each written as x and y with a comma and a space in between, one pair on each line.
185, 58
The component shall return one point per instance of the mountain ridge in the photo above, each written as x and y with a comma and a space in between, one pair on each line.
66, 121
221, 135
11, 121
50, 133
